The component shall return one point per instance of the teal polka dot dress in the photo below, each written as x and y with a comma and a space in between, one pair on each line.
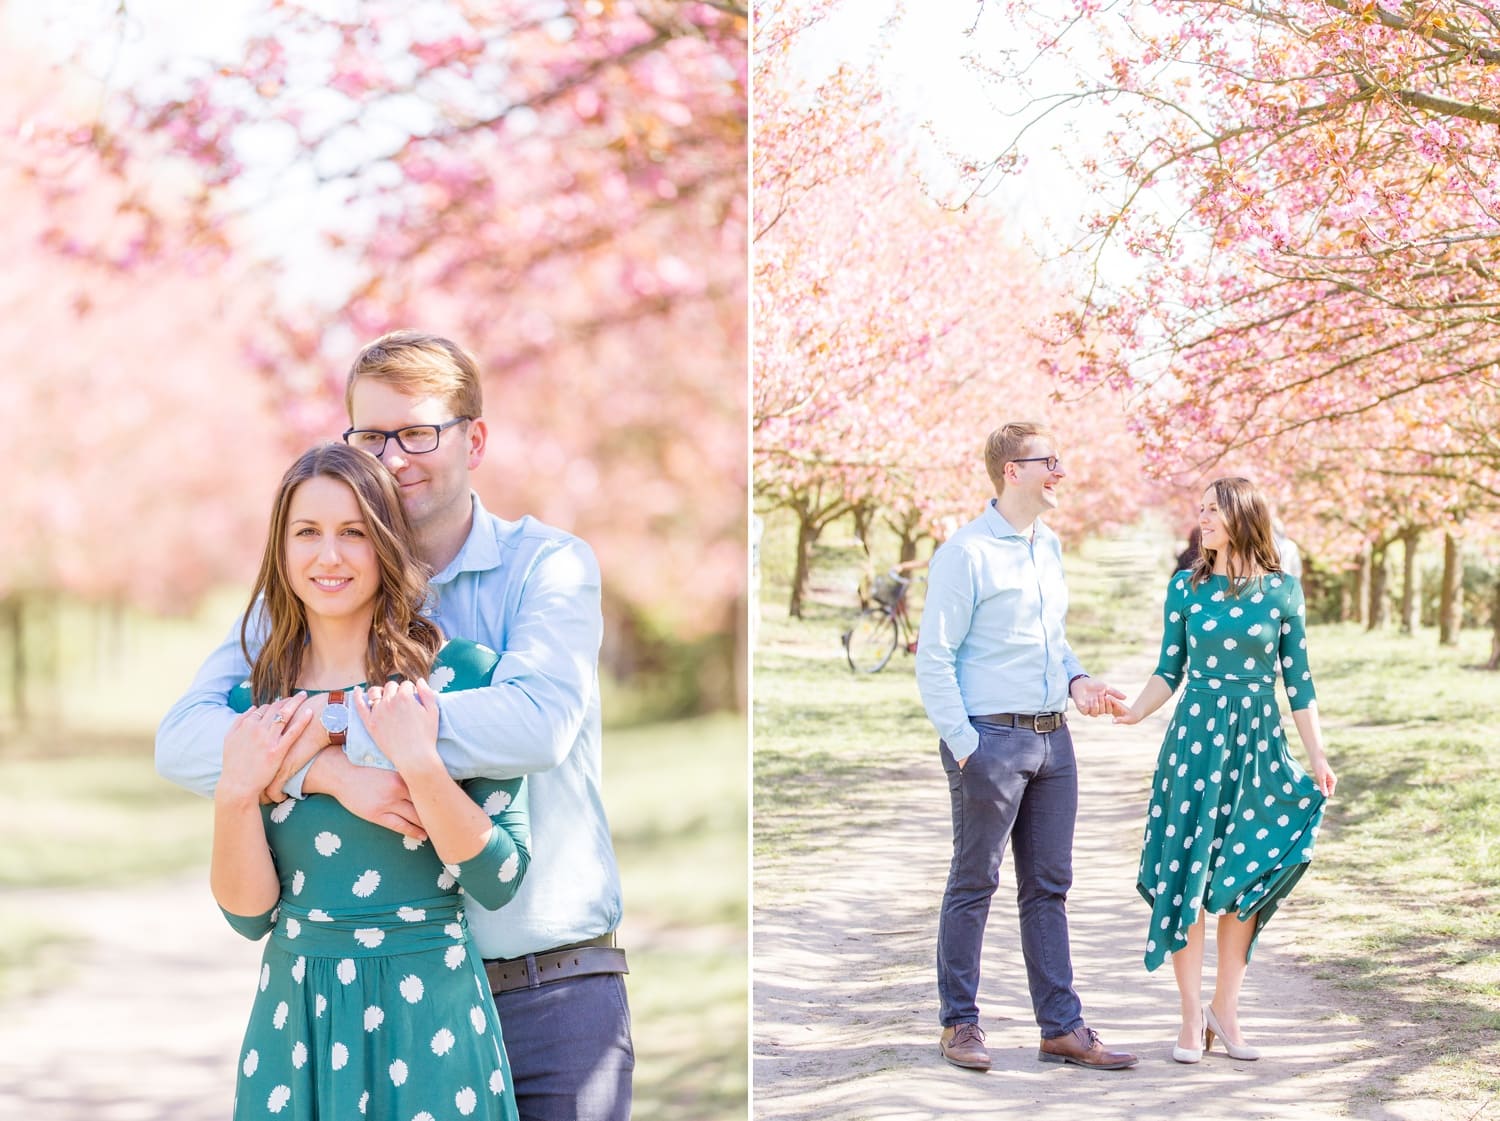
370, 1001
1233, 816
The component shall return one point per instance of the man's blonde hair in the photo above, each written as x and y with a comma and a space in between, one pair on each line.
417, 364
1007, 443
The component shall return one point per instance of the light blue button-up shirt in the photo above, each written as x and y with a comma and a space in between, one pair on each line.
992, 628
530, 592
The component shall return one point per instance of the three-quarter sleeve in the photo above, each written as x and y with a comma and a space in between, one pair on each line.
253, 927
493, 876
1296, 675
1174, 631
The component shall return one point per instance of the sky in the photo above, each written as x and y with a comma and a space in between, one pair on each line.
284, 209
951, 107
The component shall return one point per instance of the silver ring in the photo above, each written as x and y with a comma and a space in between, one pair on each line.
279, 718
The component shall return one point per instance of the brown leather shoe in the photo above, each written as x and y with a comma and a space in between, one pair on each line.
963, 1046
1084, 1047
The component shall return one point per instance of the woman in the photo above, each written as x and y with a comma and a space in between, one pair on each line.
369, 1002
1232, 818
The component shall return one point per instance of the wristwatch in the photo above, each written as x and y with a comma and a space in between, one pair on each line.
336, 718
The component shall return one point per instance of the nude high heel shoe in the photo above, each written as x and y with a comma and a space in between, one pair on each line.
1188, 1054
1236, 1050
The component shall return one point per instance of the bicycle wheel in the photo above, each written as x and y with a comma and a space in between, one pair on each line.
871, 642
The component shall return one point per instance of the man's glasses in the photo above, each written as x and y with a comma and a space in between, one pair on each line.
1050, 460
414, 439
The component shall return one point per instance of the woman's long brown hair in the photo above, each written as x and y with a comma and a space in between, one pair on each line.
402, 641
1247, 521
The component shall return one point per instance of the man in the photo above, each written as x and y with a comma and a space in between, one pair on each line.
532, 593
995, 673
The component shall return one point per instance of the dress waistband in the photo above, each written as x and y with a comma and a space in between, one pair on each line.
1232, 686
371, 932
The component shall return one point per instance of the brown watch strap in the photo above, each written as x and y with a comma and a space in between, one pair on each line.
336, 739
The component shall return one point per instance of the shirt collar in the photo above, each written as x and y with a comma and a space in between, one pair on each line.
995, 522
480, 551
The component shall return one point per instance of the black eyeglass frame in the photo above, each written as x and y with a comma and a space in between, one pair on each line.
388, 435
1052, 461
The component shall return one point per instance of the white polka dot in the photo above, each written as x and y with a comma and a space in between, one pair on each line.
365, 886
497, 1082
293, 928
412, 914
398, 1072
252, 1062
298, 878
374, 1017
369, 936
265, 976
445, 880
317, 914
478, 1019
299, 969
411, 844
278, 1018
345, 971
278, 1098
327, 843
364, 1100
338, 1056
496, 802
442, 1042
466, 1100
454, 956
299, 1054
320, 1005
411, 988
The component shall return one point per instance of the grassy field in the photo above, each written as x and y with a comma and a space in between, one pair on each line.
677, 803
1405, 891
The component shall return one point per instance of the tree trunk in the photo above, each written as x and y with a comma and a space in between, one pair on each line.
1451, 606
807, 533
1379, 574
12, 619
1409, 537
1362, 588
1494, 662
864, 519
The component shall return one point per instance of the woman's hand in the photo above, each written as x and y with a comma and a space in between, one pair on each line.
402, 719
255, 744
1323, 775
1131, 715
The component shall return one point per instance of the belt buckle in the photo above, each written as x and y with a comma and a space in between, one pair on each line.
1044, 722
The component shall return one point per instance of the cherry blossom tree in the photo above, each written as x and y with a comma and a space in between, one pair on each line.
561, 188
891, 334
1307, 188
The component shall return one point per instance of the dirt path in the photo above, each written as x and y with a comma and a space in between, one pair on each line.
845, 1001
148, 1025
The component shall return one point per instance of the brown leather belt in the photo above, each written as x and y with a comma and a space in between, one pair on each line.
1039, 722
580, 959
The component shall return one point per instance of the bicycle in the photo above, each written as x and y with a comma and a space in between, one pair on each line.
884, 624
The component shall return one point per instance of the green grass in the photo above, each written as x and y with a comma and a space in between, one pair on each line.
676, 798
1405, 890
1408, 875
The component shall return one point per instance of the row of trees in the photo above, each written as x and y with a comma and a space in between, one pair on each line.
1310, 189
563, 190
892, 335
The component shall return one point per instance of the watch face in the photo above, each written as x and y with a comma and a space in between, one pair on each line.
336, 717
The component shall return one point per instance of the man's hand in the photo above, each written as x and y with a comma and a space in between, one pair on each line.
1094, 698
311, 739
373, 793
